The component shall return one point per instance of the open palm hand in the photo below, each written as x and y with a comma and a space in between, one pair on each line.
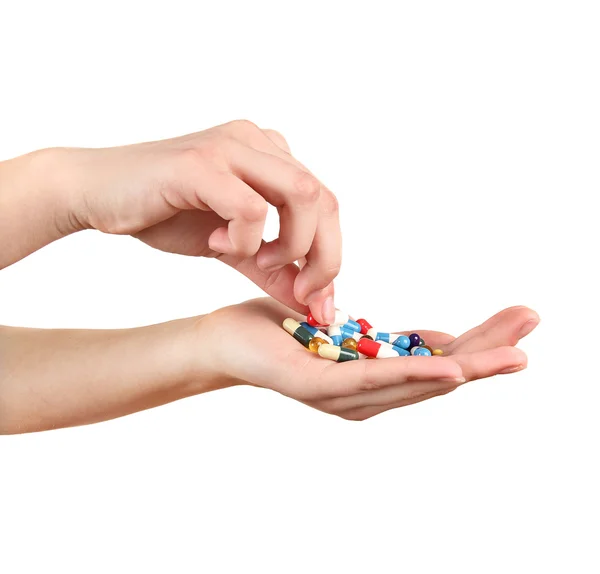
250, 347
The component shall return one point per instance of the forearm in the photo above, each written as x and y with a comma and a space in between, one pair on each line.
60, 378
35, 204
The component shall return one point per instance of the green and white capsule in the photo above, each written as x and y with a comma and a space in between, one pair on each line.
338, 354
297, 331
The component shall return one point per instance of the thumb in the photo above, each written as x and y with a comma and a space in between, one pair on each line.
278, 284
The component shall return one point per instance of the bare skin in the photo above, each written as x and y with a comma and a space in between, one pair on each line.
59, 378
206, 194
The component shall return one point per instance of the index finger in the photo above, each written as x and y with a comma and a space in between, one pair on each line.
324, 259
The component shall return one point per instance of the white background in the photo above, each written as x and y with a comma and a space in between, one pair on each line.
462, 139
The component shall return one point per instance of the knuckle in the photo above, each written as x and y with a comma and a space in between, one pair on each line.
254, 209
244, 250
331, 205
278, 139
294, 248
330, 272
243, 126
210, 151
307, 188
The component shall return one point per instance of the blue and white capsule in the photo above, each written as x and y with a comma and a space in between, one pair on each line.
402, 352
402, 341
381, 336
350, 334
317, 332
335, 332
351, 325
420, 352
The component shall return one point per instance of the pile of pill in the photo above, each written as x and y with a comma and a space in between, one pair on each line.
349, 340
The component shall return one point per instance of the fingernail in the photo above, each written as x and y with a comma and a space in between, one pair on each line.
528, 327
512, 370
328, 310
457, 380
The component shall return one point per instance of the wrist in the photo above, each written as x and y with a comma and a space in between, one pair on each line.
206, 347
37, 184
53, 170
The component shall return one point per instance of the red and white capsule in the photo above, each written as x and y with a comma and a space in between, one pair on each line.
364, 325
375, 349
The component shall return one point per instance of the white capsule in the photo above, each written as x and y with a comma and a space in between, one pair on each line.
340, 318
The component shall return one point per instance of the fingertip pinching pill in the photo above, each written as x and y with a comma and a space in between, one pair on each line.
338, 354
297, 331
313, 322
340, 318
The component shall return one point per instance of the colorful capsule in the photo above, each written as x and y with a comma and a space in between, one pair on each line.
297, 331
316, 332
349, 334
338, 354
335, 332
402, 352
340, 319
381, 336
437, 352
352, 325
375, 349
415, 339
364, 325
313, 322
349, 343
402, 341
420, 352
315, 343
421, 342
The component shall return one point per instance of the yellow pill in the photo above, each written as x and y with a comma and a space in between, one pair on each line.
315, 343
349, 343
437, 352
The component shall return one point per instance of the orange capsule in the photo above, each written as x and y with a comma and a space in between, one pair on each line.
349, 343
315, 343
